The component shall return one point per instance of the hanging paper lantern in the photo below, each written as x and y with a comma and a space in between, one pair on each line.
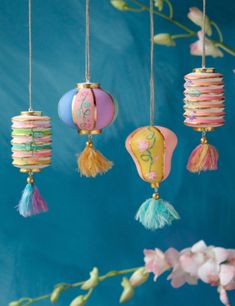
89, 109
31, 152
204, 111
151, 148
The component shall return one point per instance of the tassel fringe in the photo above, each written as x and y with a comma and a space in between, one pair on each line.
31, 202
203, 158
91, 162
156, 213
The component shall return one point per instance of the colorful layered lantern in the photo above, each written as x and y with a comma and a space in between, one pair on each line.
31, 152
204, 111
89, 109
151, 148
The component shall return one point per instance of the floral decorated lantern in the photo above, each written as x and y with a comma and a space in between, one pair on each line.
89, 109
151, 148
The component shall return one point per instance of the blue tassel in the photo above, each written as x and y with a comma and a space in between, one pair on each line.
25, 204
156, 213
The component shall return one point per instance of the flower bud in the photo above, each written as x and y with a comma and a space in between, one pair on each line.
139, 277
56, 294
128, 291
15, 303
164, 39
119, 4
159, 4
93, 281
79, 301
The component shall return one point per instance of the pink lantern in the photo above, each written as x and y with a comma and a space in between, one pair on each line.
92, 108
89, 109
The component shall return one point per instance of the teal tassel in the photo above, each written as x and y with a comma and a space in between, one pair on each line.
156, 213
25, 202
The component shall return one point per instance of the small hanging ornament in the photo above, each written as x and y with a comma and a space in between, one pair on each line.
89, 109
204, 110
31, 146
151, 147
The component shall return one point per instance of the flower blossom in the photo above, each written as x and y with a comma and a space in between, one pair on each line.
211, 49
212, 265
196, 16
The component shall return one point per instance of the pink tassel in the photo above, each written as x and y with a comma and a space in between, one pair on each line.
203, 158
38, 203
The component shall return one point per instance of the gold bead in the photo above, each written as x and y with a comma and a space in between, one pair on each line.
156, 196
30, 179
89, 144
204, 140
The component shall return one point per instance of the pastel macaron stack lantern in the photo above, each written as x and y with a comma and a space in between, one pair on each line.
89, 109
151, 148
31, 152
204, 111
31, 141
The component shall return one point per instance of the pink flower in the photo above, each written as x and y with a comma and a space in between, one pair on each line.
151, 175
211, 49
143, 145
192, 258
196, 16
212, 265
209, 272
200, 261
227, 276
155, 262
231, 256
223, 296
178, 276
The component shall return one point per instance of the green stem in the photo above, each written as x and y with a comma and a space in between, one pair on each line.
170, 6
30, 301
132, 9
116, 273
220, 43
182, 36
218, 30
172, 20
88, 295
225, 48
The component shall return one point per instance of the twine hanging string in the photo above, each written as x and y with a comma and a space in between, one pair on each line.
151, 64
87, 51
204, 35
30, 55
204, 45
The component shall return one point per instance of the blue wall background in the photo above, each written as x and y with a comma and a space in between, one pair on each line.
90, 222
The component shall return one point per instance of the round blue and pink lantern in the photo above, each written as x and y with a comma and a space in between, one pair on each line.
89, 109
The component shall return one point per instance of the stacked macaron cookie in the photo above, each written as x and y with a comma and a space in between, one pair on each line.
204, 99
31, 141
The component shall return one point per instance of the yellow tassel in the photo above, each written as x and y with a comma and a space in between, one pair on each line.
91, 162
